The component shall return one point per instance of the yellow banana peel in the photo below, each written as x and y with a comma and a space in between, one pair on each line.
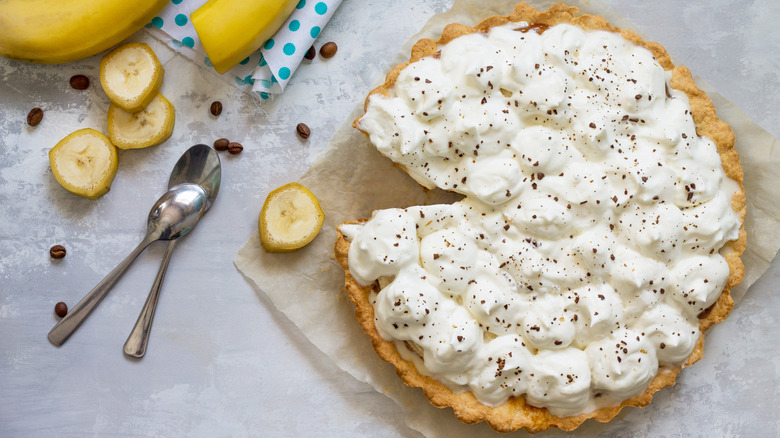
230, 30
57, 31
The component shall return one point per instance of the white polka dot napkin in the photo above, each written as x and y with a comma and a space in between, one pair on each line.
266, 71
284, 51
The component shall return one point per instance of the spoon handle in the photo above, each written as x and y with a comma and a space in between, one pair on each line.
67, 325
135, 346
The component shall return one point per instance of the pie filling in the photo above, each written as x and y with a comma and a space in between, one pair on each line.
588, 239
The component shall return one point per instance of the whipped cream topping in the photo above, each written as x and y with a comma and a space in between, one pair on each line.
588, 240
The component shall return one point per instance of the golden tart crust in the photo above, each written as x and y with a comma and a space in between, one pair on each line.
515, 413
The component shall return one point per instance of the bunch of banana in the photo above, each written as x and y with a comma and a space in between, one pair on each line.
85, 161
57, 31
230, 30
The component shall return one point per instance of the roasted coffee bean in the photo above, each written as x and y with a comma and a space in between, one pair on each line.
235, 148
216, 108
303, 130
328, 49
57, 252
79, 82
311, 53
35, 116
61, 309
221, 144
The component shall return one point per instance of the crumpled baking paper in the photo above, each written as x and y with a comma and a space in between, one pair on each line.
351, 179
266, 71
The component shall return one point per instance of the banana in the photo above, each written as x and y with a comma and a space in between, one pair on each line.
230, 30
84, 163
57, 31
291, 218
131, 76
148, 127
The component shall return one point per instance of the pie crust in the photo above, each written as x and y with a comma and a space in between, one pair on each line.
515, 413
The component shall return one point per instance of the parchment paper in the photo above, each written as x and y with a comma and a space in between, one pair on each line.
351, 179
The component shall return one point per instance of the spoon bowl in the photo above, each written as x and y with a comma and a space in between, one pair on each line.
199, 165
177, 212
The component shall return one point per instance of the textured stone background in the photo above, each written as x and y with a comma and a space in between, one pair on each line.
222, 361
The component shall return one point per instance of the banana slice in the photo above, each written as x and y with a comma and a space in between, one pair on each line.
291, 218
148, 127
84, 163
131, 76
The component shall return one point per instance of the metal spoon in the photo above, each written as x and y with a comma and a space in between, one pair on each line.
199, 165
173, 216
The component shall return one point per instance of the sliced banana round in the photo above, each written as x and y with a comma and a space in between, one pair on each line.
131, 76
84, 163
291, 218
148, 127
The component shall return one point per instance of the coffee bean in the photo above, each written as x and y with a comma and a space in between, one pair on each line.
57, 252
303, 130
328, 49
79, 82
61, 309
216, 108
221, 144
311, 53
235, 148
35, 116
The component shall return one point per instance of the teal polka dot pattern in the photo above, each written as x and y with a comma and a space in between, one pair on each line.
268, 70
175, 22
246, 80
283, 53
